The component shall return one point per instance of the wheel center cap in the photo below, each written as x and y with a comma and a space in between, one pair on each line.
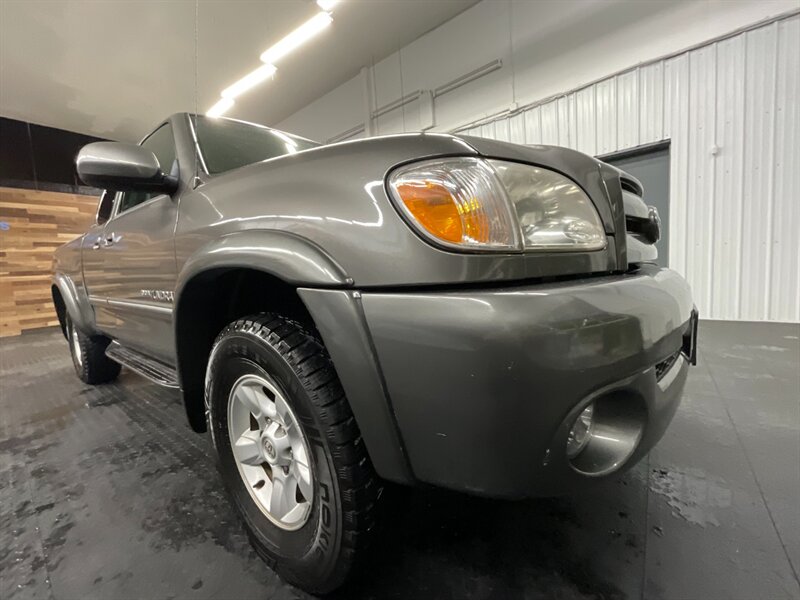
269, 449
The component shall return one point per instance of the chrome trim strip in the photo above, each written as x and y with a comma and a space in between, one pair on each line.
146, 306
670, 375
158, 372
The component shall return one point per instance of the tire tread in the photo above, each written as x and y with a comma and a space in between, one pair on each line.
359, 487
95, 367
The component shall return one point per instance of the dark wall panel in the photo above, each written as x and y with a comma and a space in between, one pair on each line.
39, 157
16, 158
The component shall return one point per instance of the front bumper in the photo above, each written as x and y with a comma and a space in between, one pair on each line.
485, 384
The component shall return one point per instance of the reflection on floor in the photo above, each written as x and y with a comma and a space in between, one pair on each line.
106, 493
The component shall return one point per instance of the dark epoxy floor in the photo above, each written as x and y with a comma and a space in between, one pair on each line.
106, 493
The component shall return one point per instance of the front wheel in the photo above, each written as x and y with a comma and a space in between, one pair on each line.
89, 356
290, 452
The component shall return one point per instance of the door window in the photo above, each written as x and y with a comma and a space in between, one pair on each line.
105, 207
162, 144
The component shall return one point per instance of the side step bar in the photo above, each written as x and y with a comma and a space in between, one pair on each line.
152, 369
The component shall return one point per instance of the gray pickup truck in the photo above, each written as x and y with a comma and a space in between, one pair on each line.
421, 308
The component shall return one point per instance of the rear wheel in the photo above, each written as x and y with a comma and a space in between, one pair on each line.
89, 356
290, 452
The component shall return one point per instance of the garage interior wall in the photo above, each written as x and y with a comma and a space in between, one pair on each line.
727, 105
34, 224
42, 205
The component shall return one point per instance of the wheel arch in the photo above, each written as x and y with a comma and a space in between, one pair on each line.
234, 275
68, 299
206, 303
272, 271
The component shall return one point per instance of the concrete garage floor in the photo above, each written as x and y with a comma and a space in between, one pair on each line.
106, 493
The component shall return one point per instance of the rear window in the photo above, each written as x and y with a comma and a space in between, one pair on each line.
228, 144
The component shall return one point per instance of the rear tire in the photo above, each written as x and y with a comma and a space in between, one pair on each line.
328, 520
89, 356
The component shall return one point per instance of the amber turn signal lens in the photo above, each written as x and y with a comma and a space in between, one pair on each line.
456, 202
438, 211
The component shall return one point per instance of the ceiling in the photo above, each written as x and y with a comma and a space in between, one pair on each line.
114, 68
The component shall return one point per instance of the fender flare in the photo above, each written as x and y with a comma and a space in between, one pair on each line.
76, 303
284, 255
287, 256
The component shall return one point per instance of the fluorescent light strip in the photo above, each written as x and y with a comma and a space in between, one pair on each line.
249, 81
223, 106
302, 34
296, 38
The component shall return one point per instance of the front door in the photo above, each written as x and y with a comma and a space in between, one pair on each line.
129, 263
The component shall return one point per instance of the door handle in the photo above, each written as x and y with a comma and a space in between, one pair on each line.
111, 239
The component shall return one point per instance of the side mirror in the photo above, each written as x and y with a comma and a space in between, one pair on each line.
122, 167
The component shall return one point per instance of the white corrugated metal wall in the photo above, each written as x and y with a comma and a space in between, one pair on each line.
730, 111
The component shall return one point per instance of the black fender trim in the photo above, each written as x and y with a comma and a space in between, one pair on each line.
340, 321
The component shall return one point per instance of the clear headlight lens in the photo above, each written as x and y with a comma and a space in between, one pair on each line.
472, 203
553, 212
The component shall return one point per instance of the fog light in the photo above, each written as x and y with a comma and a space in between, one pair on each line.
581, 432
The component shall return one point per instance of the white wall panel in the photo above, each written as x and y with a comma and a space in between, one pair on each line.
318, 122
550, 123
533, 125
517, 129
700, 174
728, 178
627, 111
386, 83
676, 128
606, 116
502, 132
785, 278
650, 103
586, 134
567, 121
759, 134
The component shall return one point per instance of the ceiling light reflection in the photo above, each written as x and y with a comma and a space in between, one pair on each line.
297, 37
221, 107
249, 81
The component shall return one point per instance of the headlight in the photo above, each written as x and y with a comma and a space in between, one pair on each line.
553, 212
471, 203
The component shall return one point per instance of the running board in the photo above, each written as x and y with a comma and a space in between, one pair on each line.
152, 369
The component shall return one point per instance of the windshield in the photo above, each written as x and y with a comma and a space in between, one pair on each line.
228, 144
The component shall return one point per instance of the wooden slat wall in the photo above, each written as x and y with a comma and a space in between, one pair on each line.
37, 223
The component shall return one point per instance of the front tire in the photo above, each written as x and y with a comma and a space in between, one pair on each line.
89, 358
280, 421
